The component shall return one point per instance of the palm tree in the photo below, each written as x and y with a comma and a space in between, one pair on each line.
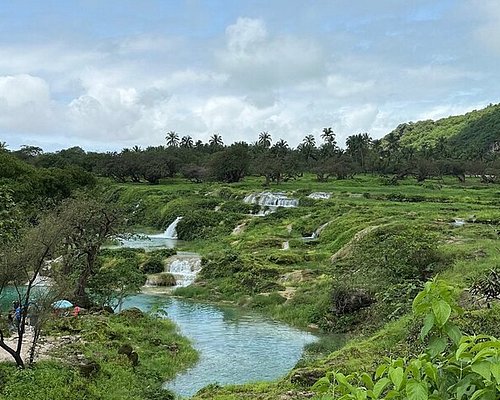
309, 141
136, 149
358, 146
216, 140
187, 142
281, 144
328, 136
280, 148
172, 139
265, 139
3, 146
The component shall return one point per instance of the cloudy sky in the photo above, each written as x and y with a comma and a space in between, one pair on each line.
111, 74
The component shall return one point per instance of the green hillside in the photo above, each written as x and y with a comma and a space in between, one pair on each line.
471, 135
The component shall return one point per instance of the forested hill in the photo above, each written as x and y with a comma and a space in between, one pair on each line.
472, 135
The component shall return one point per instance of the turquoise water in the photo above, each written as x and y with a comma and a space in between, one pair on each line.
235, 346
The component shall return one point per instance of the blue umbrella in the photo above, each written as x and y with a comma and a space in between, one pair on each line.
62, 304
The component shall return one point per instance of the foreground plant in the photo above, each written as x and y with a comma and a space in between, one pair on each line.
453, 367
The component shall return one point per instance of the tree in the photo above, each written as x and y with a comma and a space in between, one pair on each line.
281, 147
112, 283
231, 164
216, 140
3, 146
90, 223
329, 136
172, 139
265, 139
358, 147
21, 266
187, 142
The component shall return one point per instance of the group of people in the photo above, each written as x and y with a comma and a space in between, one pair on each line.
16, 313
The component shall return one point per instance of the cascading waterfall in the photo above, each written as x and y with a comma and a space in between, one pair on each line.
320, 196
269, 199
184, 267
170, 232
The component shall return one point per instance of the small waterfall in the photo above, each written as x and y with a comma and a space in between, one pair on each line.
285, 245
170, 232
320, 196
269, 199
184, 267
316, 233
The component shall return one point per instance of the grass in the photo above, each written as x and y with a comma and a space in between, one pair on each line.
358, 212
162, 353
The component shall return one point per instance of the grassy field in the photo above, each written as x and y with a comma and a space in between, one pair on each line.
378, 244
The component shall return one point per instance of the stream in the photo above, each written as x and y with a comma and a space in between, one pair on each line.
235, 346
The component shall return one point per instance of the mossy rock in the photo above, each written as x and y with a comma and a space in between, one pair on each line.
307, 376
162, 279
132, 313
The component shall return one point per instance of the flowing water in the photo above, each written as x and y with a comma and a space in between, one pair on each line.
235, 346
165, 240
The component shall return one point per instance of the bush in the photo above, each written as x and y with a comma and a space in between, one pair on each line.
262, 301
153, 265
163, 279
239, 207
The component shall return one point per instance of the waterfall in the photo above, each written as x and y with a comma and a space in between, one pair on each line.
184, 267
269, 199
170, 232
320, 196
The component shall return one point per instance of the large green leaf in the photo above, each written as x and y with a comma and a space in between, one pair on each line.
442, 311
453, 332
437, 346
428, 324
416, 390
396, 375
483, 368
380, 386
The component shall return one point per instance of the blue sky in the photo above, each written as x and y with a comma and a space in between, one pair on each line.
111, 74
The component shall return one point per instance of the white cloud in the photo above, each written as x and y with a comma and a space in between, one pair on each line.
356, 68
245, 33
255, 61
25, 103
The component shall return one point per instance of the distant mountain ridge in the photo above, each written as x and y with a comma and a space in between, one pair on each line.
472, 135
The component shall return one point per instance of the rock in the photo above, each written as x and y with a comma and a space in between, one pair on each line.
134, 358
314, 327
155, 342
125, 349
132, 313
307, 376
89, 369
347, 300
296, 395
173, 347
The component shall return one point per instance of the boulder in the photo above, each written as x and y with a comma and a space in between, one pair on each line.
89, 369
125, 349
307, 376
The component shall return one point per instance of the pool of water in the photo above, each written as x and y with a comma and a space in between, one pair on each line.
235, 346
148, 243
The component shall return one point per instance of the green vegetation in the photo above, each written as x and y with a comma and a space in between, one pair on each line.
99, 365
466, 135
420, 203
377, 247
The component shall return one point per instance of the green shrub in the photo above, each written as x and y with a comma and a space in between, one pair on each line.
239, 207
153, 265
263, 301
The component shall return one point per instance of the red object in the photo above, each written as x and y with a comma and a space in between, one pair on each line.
76, 311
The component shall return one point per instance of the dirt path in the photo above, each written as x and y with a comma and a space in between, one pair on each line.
45, 344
